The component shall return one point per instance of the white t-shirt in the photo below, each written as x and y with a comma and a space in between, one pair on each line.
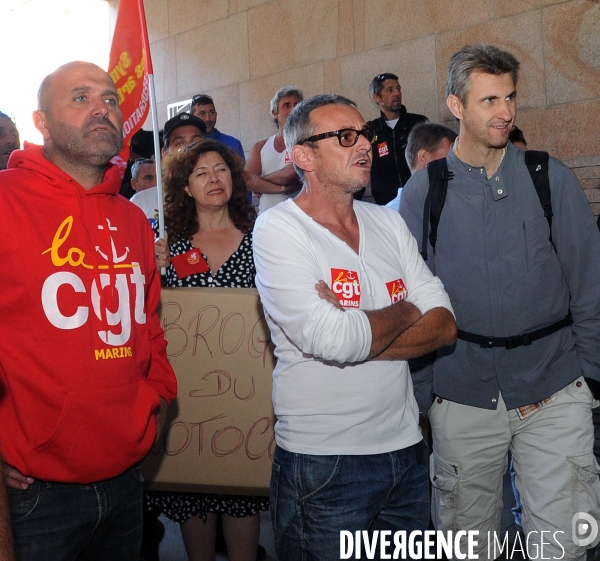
271, 160
327, 397
147, 200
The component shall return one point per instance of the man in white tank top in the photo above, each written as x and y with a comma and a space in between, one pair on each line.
272, 175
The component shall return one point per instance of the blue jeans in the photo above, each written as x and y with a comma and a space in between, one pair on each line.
71, 522
314, 498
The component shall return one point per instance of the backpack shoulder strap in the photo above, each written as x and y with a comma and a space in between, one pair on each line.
434, 203
537, 164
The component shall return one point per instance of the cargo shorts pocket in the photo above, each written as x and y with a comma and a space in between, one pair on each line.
445, 485
586, 484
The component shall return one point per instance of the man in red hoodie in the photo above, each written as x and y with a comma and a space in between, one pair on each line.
84, 378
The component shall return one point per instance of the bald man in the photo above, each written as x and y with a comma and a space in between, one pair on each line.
84, 371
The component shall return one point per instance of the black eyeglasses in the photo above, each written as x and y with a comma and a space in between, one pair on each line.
201, 99
346, 137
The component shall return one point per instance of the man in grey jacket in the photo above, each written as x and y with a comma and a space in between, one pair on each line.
516, 379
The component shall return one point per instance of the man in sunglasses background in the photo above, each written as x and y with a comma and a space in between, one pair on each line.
390, 170
348, 300
203, 107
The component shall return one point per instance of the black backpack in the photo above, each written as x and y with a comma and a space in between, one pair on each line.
537, 164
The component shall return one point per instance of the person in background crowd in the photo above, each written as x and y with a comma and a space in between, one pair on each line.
143, 175
390, 170
83, 409
272, 175
9, 139
208, 216
203, 107
426, 142
142, 147
179, 132
517, 137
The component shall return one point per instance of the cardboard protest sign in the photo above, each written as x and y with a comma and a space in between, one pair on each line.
219, 432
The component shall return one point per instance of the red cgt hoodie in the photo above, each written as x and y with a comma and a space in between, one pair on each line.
82, 353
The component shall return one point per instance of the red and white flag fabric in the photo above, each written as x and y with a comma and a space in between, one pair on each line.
129, 67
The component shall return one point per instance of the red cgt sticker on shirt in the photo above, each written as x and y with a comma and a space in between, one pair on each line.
383, 149
346, 286
397, 290
288, 159
189, 263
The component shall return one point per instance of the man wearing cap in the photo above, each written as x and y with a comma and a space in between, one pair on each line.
203, 107
390, 170
179, 132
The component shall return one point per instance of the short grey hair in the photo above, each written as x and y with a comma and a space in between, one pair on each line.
299, 126
135, 168
286, 91
426, 136
477, 58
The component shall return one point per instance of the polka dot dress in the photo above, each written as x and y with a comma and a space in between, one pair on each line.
237, 272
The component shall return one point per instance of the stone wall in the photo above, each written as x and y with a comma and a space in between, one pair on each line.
241, 51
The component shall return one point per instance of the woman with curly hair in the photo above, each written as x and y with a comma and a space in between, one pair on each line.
209, 223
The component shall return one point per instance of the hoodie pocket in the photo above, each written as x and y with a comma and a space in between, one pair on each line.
100, 432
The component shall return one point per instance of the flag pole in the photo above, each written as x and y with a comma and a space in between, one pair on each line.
159, 185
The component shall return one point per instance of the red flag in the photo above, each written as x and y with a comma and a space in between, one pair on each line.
129, 67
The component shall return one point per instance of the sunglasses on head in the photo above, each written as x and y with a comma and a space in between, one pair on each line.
385, 76
201, 99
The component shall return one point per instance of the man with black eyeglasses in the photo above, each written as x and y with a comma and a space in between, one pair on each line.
203, 107
348, 300
390, 170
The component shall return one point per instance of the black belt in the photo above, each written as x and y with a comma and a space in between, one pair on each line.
516, 340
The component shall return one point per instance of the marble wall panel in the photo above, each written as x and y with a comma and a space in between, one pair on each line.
388, 22
236, 6
566, 131
212, 56
165, 72
286, 34
572, 51
189, 14
157, 19
332, 74
358, 7
505, 8
345, 30
455, 14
